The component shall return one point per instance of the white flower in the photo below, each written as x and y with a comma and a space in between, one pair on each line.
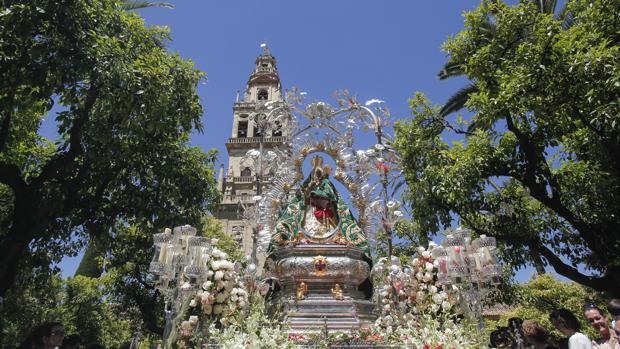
433, 289
186, 324
419, 275
193, 303
429, 266
242, 304
428, 277
437, 298
446, 305
193, 319
379, 146
186, 286
426, 254
210, 274
219, 275
420, 250
398, 213
220, 298
217, 253
206, 285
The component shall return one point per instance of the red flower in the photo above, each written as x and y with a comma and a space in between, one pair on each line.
382, 166
426, 346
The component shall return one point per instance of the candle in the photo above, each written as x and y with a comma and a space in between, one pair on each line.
487, 255
162, 253
477, 260
443, 268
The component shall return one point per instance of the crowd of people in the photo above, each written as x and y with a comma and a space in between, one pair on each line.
531, 334
519, 334
51, 335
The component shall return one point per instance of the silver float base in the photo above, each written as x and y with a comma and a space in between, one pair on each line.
320, 311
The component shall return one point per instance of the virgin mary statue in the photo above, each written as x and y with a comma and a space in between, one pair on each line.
318, 215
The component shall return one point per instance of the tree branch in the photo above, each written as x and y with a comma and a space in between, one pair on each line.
597, 283
11, 176
6, 123
61, 161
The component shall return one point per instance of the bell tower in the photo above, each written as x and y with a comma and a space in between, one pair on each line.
242, 180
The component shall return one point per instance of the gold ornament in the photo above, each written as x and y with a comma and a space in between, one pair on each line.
320, 265
302, 289
337, 292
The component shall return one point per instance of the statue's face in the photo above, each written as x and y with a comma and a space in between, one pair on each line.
320, 201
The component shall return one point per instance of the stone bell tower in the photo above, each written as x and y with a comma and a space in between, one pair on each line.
242, 181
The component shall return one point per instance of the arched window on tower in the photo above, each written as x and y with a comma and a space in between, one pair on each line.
277, 131
242, 129
263, 95
246, 172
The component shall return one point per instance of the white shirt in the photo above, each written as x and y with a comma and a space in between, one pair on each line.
579, 341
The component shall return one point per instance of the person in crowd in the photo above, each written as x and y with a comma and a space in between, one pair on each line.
613, 307
501, 338
48, 335
536, 335
597, 319
515, 325
565, 322
71, 342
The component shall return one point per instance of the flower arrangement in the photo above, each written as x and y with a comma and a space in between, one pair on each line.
415, 310
228, 308
218, 301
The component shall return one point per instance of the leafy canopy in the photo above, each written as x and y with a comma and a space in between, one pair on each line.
122, 156
540, 170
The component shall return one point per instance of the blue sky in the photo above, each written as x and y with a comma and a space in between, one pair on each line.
385, 50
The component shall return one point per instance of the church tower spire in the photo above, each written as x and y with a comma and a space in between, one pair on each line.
243, 180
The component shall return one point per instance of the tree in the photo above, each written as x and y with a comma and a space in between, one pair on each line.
129, 254
535, 299
542, 173
79, 303
454, 68
128, 107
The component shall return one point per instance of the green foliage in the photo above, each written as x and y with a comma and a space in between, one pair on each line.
122, 158
78, 303
542, 294
212, 228
32, 301
537, 164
